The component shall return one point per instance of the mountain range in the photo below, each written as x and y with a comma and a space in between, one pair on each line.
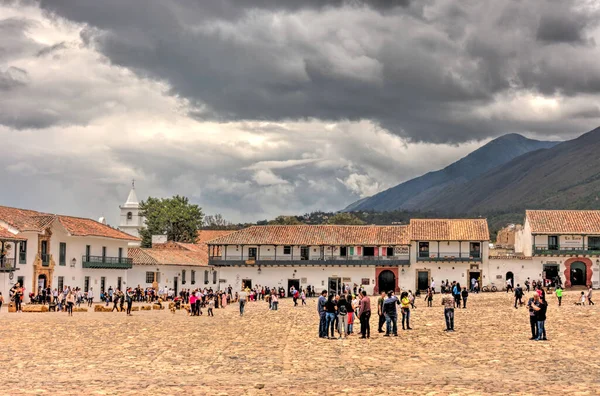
419, 193
505, 176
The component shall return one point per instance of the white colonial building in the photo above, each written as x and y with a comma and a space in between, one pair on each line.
176, 265
375, 257
563, 243
56, 251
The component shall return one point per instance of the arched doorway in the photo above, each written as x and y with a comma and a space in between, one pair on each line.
578, 274
511, 276
386, 281
42, 282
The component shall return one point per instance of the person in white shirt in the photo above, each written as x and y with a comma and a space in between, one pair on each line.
90, 296
433, 285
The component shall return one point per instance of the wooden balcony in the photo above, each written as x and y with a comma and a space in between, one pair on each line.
557, 250
7, 264
454, 257
319, 261
105, 262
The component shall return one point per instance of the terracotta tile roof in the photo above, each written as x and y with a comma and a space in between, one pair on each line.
168, 256
564, 221
31, 220
6, 235
78, 226
315, 235
449, 230
207, 235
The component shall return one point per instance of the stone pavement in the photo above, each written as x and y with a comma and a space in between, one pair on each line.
278, 352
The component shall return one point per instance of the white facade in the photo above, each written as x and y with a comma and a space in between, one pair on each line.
70, 271
130, 220
173, 276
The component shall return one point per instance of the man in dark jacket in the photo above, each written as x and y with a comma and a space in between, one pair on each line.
391, 314
518, 295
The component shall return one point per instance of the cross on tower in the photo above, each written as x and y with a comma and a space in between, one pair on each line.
132, 183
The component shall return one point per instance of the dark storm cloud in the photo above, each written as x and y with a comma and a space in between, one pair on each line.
420, 69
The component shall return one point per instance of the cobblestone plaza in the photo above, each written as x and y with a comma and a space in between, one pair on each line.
278, 352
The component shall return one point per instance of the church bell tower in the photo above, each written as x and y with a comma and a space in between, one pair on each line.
130, 220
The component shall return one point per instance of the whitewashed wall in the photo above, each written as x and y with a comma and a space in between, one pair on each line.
167, 274
270, 252
314, 276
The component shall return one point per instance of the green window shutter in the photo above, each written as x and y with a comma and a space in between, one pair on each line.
351, 250
62, 254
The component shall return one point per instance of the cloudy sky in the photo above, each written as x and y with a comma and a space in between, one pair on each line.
255, 108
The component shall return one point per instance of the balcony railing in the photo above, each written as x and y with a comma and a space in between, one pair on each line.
323, 260
106, 262
553, 250
7, 264
45, 257
459, 256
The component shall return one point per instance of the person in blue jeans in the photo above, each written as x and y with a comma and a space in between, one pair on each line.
330, 309
322, 314
540, 306
391, 314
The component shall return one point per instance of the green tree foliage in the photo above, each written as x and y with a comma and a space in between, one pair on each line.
285, 220
344, 219
174, 217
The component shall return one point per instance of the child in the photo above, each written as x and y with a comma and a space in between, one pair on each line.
582, 300
465, 295
411, 299
303, 297
211, 305
559, 294
429, 297
275, 302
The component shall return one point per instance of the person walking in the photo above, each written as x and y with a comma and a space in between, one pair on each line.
456, 293
465, 295
405, 309
509, 286
115, 298
589, 296
380, 301
448, 303
518, 295
351, 308
243, 297
322, 300
391, 314
429, 297
365, 315
559, 293
432, 286
303, 297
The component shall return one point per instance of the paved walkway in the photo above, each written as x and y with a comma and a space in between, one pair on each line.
278, 352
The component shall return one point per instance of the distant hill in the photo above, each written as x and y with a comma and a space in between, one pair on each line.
565, 176
419, 193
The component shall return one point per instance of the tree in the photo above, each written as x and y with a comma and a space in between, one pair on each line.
217, 222
344, 219
285, 220
174, 217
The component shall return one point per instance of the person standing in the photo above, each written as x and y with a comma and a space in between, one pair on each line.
90, 297
432, 286
70, 303
243, 297
589, 296
1, 301
380, 301
211, 305
540, 306
465, 295
448, 303
342, 316
405, 308
303, 297
532, 316
456, 293
321, 301
129, 298
351, 307
391, 314
365, 315
429, 297
559, 294
518, 296
330, 309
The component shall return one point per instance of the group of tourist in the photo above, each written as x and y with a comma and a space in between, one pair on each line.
338, 312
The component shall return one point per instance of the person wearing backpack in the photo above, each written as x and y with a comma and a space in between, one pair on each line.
342, 314
518, 295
